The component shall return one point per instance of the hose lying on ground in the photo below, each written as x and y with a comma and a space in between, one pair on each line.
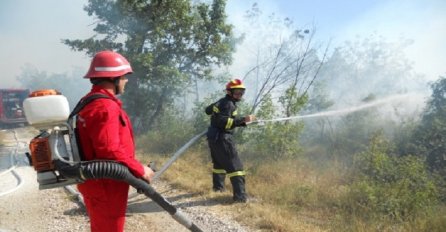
112, 170
13, 166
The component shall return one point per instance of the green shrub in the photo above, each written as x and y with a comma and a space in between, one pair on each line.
384, 185
275, 141
171, 133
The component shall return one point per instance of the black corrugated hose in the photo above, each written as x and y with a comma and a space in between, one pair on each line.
103, 169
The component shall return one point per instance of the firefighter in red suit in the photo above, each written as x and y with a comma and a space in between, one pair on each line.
105, 133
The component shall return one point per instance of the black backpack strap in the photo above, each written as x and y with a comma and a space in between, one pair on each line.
79, 106
85, 101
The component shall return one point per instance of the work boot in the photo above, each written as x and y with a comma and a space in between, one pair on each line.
218, 182
238, 189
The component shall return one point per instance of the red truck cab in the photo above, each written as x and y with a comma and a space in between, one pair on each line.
11, 107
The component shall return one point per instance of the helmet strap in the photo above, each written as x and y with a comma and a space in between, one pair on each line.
230, 93
116, 83
96, 81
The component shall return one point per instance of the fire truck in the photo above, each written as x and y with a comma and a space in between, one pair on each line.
11, 107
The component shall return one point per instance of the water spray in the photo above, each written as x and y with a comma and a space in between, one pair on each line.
338, 112
261, 122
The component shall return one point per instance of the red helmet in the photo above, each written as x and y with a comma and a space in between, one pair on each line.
235, 84
108, 64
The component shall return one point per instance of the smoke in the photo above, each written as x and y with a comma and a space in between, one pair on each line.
420, 21
391, 46
32, 33
400, 102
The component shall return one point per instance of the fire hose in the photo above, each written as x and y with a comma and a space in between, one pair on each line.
178, 153
113, 170
174, 158
13, 164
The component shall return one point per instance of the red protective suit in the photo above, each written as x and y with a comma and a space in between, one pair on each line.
106, 133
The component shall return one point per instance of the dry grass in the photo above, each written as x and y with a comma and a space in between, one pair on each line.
287, 195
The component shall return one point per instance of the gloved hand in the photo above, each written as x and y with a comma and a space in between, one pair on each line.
250, 118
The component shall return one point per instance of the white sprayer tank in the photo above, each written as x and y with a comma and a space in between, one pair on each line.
46, 108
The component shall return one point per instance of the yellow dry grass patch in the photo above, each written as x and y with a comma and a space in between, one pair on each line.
286, 195
283, 195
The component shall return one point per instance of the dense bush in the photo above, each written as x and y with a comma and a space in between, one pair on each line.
170, 134
275, 141
385, 185
272, 140
429, 137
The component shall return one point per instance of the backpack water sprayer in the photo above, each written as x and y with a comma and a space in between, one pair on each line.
57, 159
48, 111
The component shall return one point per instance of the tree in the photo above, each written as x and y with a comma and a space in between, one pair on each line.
284, 64
430, 136
171, 44
317, 130
286, 60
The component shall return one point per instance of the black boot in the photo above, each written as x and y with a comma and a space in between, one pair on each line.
218, 182
238, 188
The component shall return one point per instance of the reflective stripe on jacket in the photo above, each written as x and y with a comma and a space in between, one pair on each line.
224, 115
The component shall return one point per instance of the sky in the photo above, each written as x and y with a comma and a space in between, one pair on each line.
31, 31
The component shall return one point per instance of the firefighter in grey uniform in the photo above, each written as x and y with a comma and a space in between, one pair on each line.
225, 159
